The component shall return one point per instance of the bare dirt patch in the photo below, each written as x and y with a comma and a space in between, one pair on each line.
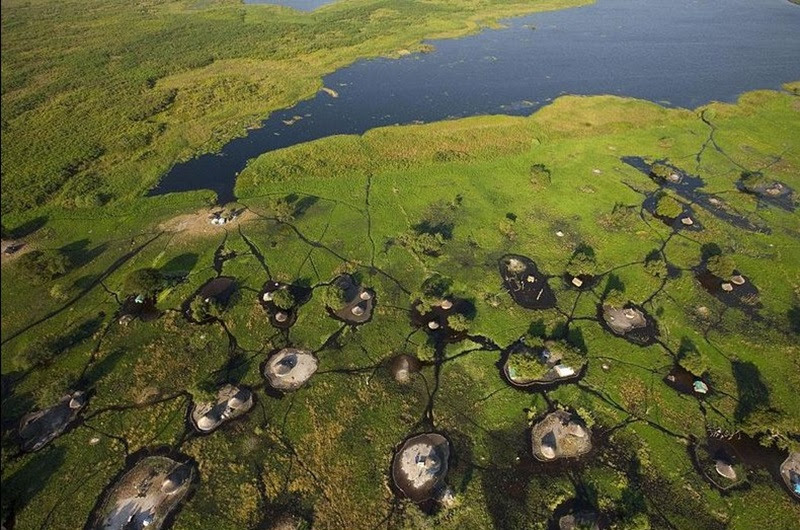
199, 223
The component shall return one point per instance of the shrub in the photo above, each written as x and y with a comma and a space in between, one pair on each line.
615, 297
283, 298
582, 261
333, 296
721, 266
201, 310
458, 322
426, 244
44, 265
754, 179
655, 265
660, 171
540, 176
145, 282
438, 220
667, 206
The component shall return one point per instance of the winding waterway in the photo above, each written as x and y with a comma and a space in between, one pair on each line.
678, 53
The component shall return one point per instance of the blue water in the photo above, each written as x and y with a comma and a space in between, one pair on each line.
681, 52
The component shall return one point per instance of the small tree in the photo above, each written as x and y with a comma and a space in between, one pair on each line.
582, 262
334, 296
201, 310
283, 299
458, 322
615, 298
666, 206
146, 282
44, 265
655, 264
721, 266
660, 171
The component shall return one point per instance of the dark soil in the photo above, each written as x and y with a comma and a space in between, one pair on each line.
353, 293
774, 192
588, 281
744, 297
534, 294
300, 293
675, 223
444, 334
537, 385
643, 336
683, 380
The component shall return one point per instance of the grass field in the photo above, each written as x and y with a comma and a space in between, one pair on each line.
87, 120
353, 204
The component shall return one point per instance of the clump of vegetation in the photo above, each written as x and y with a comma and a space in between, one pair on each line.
458, 322
41, 266
145, 282
283, 299
422, 244
692, 359
661, 171
539, 176
754, 180
655, 264
202, 310
334, 296
667, 206
281, 209
439, 219
622, 217
433, 290
615, 297
721, 265
582, 262
506, 227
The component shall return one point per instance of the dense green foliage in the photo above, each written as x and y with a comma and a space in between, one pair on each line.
145, 282
87, 118
325, 450
667, 206
722, 266
40, 266
283, 299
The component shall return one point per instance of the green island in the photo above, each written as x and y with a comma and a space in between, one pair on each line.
121, 313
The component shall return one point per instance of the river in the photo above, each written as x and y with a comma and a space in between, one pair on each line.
678, 53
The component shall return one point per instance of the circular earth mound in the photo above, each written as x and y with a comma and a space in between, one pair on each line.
232, 402
438, 320
402, 366
560, 434
145, 496
686, 382
420, 466
541, 365
290, 368
359, 301
736, 291
283, 317
526, 285
790, 472
630, 322
39, 428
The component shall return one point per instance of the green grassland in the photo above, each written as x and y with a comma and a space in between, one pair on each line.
326, 449
87, 119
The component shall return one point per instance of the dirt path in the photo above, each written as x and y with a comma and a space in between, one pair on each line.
198, 224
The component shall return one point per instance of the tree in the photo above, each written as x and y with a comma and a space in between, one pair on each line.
334, 296
660, 171
44, 265
458, 322
655, 265
438, 219
200, 310
615, 298
721, 266
582, 262
666, 206
283, 298
145, 282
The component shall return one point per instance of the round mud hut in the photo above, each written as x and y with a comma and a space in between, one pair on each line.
790, 471
290, 368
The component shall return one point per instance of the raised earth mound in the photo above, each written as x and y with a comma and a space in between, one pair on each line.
358, 301
419, 467
146, 496
630, 322
560, 434
402, 366
790, 471
39, 428
290, 368
231, 403
526, 285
